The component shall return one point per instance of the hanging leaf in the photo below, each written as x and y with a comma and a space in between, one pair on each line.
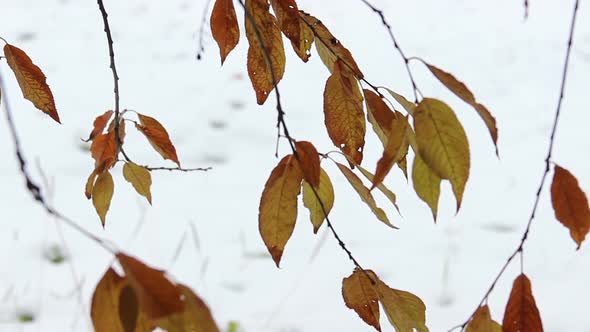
395, 150
379, 115
442, 143
104, 151
259, 19
99, 124
128, 308
293, 27
140, 178
326, 193
404, 310
360, 295
461, 90
309, 161
102, 194
158, 137
386, 191
365, 194
343, 112
31, 80
482, 322
329, 48
90, 184
426, 184
521, 314
406, 104
157, 296
570, 204
278, 206
224, 27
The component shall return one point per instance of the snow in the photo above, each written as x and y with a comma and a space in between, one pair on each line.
513, 67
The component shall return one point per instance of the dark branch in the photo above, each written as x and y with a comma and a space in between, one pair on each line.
201, 49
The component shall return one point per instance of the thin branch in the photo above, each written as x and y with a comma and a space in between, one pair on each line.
180, 169
526, 9
201, 49
520, 248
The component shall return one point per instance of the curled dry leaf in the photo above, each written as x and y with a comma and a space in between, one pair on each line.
99, 124
379, 115
521, 313
263, 75
293, 27
395, 150
158, 137
570, 204
224, 27
102, 194
309, 161
426, 184
386, 191
361, 296
140, 178
482, 322
325, 191
278, 206
343, 112
104, 151
31, 80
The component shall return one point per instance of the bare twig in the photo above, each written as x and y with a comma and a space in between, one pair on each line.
526, 9
201, 49
520, 248
180, 169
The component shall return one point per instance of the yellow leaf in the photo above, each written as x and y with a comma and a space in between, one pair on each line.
224, 27
326, 193
570, 204
31, 80
259, 18
90, 184
293, 27
360, 295
395, 150
386, 191
158, 137
442, 143
426, 184
409, 106
404, 310
343, 112
482, 322
379, 115
365, 194
521, 313
140, 178
278, 206
102, 194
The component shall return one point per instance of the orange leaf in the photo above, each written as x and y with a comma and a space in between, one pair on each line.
521, 314
309, 160
395, 150
297, 31
224, 27
31, 80
102, 194
278, 206
570, 204
343, 112
263, 78
104, 151
360, 295
99, 124
158, 296
379, 115
158, 137
482, 322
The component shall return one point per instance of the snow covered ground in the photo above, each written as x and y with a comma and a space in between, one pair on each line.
513, 66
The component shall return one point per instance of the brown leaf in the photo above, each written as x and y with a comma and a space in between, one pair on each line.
404, 310
521, 314
104, 151
99, 124
157, 296
343, 112
326, 193
395, 150
140, 178
128, 308
158, 137
461, 90
379, 115
278, 206
261, 75
293, 27
309, 161
31, 80
570, 204
482, 322
360, 295
224, 27
102, 194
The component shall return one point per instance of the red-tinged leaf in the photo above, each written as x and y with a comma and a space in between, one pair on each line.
570, 204
128, 308
482, 322
343, 112
90, 184
405, 311
293, 27
259, 19
521, 314
309, 160
224, 27
102, 194
461, 90
140, 178
325, 191
31, 80
278, 206
395, 150
426, 184
104, 151
99, 124
157, 296
158, 137
379, 115
361, 296
329, 48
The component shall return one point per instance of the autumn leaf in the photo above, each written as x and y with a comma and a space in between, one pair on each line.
99, 124
224, 27
395, 150
386, 191
570, 204
521, 313
102, 194
309, 161
482, 322
461, 90
31, 80
405, 311
361, 296
140, 178
442, 143
426, 184
326, 193
262, 30
343, 112
293, 27
90, 184
365, 194
158, 137
379, 115
409, 106
128, 308
104, 151
278, 206
329, 48
157, 296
